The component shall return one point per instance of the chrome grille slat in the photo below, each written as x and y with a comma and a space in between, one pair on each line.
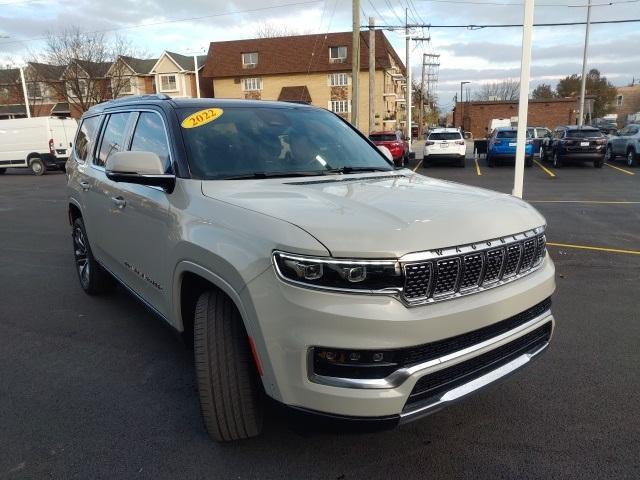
469, 269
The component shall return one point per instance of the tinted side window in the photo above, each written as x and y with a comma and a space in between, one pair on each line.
113, 138
150, 136
85, 138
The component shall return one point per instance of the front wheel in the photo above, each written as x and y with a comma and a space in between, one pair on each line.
631, 158
93, 278
230, 393
37, 166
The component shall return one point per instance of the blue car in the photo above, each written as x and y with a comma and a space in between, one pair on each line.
502, 146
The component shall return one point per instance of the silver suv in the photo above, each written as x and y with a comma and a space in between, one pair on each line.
302, 265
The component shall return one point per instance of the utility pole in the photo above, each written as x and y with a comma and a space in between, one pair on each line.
372, 72
584, 65
462, 106
355, 61
408, 80
421, 121
195, 63
523, 103
25, 93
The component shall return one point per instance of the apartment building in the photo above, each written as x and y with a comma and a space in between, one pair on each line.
313, 69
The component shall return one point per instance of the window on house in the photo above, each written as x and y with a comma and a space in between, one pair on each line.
338, 79
125, 84
77, 88
340, 106
337, 54
34, 90
252, 84
619, 100
168, 83
4, 93
249, 60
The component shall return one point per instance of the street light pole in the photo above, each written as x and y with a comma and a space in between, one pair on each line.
195, 63
584, 65
523, 105
461, 107
409, 88
25, 93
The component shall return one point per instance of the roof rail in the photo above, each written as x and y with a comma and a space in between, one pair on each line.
139, 98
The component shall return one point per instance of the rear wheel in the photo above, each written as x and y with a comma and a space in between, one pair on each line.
490, 161
230, 393
528, 162
598, 163
461, 162
631, 158
3, 171
543, 154
557, 163
93, 278
37, 166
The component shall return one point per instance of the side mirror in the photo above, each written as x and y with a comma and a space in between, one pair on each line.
142, 168
386, 152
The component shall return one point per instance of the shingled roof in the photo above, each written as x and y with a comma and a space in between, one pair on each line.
186, 61
45, 71
9, 75
295, 54
140, 65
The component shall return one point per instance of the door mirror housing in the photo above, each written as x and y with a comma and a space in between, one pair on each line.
386, 152
142, 168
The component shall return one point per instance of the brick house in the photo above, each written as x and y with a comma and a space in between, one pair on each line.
627, 102
314, 69
548, 113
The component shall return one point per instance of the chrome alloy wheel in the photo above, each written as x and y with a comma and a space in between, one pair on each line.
81, 253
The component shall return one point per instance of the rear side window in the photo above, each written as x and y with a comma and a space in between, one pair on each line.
85, 138
507, 134
150, 136
113, 138
445, 136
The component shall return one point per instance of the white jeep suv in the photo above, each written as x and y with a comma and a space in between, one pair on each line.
444, 144
302, 265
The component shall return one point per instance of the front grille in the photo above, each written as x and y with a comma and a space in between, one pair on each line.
433, 386
468, 269
429, 351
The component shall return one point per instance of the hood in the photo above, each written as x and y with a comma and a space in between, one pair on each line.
381, 215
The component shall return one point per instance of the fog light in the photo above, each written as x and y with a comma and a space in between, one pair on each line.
330, 356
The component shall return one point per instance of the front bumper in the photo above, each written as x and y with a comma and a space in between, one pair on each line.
292, 320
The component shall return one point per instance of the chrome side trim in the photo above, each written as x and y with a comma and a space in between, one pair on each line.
398, 377
472, 386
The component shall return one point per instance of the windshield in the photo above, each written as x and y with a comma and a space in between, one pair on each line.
383, 137
246, 142
445, 136
583, 133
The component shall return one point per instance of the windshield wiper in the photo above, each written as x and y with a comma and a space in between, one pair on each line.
359, 169
252, 175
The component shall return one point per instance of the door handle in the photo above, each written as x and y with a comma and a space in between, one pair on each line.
119, 202
85, 185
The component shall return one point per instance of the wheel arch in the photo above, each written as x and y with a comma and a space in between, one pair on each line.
73, 211
33, 155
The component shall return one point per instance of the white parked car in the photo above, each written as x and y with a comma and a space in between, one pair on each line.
326, 279
38, 143
444, 144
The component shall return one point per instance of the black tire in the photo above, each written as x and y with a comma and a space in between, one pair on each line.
63, 168
528, 162
230, 393
3, 171
37, 166
425, 161
608, 154
461, 162
93, 278
598, 163
557, 162
632, 158
543, 154
490, 161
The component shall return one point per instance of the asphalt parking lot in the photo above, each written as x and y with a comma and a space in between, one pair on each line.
97, 387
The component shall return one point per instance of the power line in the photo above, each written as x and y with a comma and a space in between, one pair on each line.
506, 25
177, 20
510, 4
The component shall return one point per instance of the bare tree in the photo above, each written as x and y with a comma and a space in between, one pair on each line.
271, 30
504, 90
86, 58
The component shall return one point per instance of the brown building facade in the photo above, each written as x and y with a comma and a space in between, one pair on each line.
543, 113
627, 103
314, 69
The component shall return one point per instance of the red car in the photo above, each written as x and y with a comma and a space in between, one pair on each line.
395, 142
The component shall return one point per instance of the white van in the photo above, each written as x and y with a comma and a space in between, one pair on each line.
39, 143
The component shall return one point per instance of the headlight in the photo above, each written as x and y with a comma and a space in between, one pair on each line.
363, 276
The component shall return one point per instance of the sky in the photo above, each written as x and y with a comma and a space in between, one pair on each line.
475, 55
